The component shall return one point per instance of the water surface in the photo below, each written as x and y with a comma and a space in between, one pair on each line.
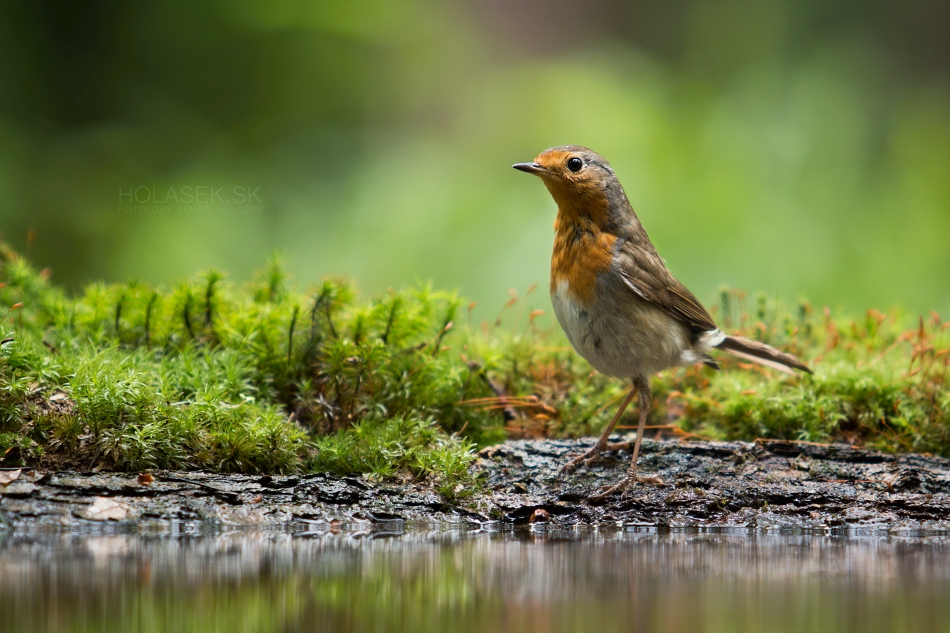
528, 580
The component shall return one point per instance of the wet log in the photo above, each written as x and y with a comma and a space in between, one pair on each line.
765, 484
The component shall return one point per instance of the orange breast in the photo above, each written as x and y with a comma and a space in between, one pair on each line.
581, 252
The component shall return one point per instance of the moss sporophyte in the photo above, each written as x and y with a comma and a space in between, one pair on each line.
263, 377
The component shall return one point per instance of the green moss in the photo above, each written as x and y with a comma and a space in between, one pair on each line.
386, 446
259, 378
267, 378
875, 383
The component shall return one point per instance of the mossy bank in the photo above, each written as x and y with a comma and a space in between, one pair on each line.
266, 377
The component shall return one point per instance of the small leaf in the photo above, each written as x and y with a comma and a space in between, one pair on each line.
104, 509
7, 477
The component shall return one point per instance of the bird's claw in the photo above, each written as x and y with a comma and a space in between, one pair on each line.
584, 458
603, 494
626, 486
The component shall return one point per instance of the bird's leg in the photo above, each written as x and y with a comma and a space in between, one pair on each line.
631, 477
601, 444
646, 399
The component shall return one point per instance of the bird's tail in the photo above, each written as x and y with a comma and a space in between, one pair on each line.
762, 354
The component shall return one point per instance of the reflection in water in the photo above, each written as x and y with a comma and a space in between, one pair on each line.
463, 581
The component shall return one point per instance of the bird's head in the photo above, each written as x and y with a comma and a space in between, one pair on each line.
580, 180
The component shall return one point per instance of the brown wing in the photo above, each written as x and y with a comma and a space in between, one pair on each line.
645, 274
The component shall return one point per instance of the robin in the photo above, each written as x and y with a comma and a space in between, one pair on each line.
620, 307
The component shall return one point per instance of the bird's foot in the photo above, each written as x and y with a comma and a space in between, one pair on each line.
625, 486
587, 458
584, 458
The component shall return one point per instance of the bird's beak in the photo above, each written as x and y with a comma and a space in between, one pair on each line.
531, 168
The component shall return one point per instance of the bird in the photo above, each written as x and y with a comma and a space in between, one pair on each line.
615, 299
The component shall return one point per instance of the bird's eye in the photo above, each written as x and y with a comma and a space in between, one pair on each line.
575, 164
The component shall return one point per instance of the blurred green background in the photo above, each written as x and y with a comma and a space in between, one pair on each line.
799, 147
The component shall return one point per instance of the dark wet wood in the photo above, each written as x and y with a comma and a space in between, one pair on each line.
773, 484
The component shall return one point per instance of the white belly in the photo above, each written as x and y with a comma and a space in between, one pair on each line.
621, 335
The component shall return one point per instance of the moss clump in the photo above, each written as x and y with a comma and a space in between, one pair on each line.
265, 378
259, 378
417, 446
877, 382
